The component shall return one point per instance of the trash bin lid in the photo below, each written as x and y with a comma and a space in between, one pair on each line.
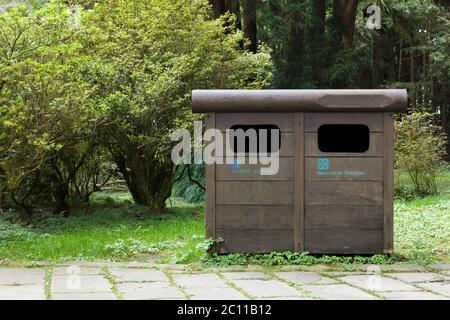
293, 100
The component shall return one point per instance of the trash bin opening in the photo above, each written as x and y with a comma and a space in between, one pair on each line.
345, 138
253, 137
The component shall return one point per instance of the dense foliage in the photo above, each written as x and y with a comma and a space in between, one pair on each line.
419, 150
90, 90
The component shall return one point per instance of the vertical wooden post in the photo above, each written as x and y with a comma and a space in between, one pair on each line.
299, 182
210, 217
388, 184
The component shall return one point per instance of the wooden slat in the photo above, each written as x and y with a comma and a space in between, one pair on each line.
332, 192
255, 240
286, 147
299, 194
284, 121
254, 217
229, 172
343, 241
388, 190
254, 192
210, 174
345, 169
376, 147
344, 216
373, 120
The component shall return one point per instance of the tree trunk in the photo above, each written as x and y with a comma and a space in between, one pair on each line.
220, 7
217, 8
249, 23
149, 179
292, 74
413, 79
318, 40
344, 17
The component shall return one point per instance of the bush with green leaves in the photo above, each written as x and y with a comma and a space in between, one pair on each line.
419, 151
146, 58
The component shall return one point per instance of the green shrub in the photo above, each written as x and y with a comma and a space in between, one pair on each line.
419, 151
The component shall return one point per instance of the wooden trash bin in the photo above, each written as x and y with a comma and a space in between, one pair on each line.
333, 192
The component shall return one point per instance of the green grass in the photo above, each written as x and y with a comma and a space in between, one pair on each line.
114, 228
422, 225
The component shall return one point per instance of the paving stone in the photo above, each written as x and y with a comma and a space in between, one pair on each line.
411, 295
98, 264
305, 278
378, 283
338, 292
215, 294
80, 283
13, 276
286, 298
266, 288
71, 270
22, 292
245, 275
391, 267
149, 290
438, 287
413, 277
138, 275
441, 266
199, 280
84, 296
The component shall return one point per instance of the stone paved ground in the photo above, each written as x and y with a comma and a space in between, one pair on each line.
105, 281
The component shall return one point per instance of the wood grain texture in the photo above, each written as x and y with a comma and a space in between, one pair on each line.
373, 120
254, 217
340, 216
332, 192
376, 147
299, 185
254, 192
388, 187
345, 169
210, 196
343, 241
237, 240
284, 121
229, 172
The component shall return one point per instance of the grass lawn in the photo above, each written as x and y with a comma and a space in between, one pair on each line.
113, 228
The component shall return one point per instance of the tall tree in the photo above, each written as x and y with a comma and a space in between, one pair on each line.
249, 23
317, 38
344, 14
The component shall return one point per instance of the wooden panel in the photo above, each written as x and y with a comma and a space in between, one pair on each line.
376, 147
359, 193
255, 240
373, 120
344, 169
344, 216
210, 174
343, 241
254, 217
286, 147
252, 171
388, 190
255, 192
299, 191
284, 121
